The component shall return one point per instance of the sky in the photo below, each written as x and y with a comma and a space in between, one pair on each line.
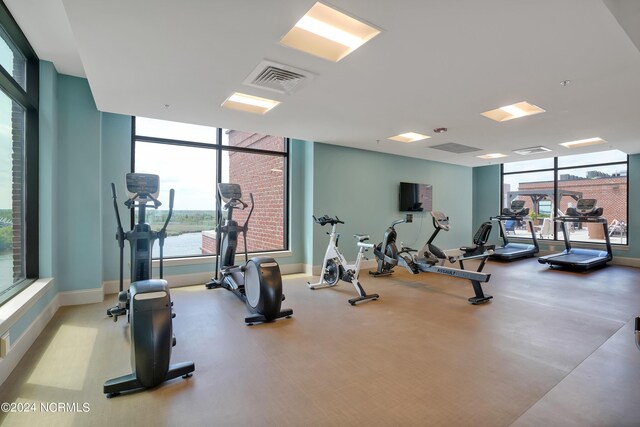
600, 157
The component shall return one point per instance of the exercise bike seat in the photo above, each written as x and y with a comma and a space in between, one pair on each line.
362, 237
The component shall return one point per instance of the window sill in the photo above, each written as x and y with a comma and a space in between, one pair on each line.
210, 259
17, 306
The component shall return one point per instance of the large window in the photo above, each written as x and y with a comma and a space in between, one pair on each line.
550, 186
192, 159
18, 159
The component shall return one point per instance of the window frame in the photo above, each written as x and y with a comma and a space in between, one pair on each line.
220, 148
556, 173
29, 100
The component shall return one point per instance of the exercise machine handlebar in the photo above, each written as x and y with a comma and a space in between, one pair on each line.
119, 235
162, 234
326, 219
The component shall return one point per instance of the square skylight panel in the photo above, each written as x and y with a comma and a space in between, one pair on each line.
328, 33
492, 156
409, 137
248, 103
513, 111
583, 142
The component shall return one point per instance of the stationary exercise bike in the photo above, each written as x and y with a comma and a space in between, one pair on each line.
147, 302
335, 266
258, 283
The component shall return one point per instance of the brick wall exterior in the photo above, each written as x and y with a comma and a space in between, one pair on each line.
18, 177
611, 193
263, 176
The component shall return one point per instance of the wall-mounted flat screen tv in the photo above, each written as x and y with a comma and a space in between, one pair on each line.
415, 197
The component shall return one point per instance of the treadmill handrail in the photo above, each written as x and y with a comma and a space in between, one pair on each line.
526, 219
591, 219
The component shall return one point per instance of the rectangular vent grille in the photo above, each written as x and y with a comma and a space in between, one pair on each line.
278, 77
531, 150
452, 147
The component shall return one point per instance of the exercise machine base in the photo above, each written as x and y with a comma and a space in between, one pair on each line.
353, 301
115, 386
239, 292
259, 318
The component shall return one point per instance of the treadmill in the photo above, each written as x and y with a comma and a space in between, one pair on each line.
581, 259
510, 251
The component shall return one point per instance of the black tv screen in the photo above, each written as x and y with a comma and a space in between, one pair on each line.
415, 197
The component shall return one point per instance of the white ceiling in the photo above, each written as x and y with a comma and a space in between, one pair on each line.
437, 63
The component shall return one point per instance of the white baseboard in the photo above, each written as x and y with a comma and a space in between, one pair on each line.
21, 345
292, 268
86, 296
629, 262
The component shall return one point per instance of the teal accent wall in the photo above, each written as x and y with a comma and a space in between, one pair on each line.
362, 189
486, 198
48, 174
304, 204
79, 243
633, 209
116, 162
298, 208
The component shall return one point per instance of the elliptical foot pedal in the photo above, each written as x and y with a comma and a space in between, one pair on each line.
379, 274
213, 284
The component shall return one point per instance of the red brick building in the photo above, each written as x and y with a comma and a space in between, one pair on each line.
265, 179
610, 191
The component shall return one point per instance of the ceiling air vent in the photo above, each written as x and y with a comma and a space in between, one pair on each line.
452, 147
278, 77
531, 150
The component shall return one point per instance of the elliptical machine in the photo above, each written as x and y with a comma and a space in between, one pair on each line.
147, 302
258, 283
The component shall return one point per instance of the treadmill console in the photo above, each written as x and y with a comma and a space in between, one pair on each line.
585, 207
516, 209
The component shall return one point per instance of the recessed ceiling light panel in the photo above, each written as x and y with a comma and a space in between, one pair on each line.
583, 142
532, 150
492, 156
409, 137
328, 33
249, 103
513, 111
